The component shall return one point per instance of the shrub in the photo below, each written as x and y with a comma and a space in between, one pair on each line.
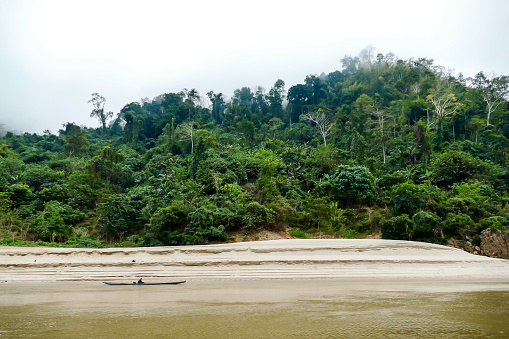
459, 223
298, 233
455, 166
407, 198
348, 184
427, 227
389, 180
54, 222
399, 227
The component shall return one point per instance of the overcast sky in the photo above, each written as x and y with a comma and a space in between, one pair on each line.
54, 54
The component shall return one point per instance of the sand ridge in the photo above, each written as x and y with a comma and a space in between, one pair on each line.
272, 259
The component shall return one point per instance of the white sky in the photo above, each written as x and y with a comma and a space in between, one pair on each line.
55, 53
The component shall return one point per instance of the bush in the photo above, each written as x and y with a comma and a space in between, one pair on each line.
407, 198
474, 199
215, 169
210, 216
55, 221
495, 223
399, 227
459, 223
424, 226
348, 184
350, 233
170, 218
18, 194
118, 216
298, 233
389, 180
455, 166
427, 227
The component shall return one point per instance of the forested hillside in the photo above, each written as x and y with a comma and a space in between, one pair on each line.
401, 147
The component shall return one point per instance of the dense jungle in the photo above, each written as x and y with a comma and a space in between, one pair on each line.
402, 149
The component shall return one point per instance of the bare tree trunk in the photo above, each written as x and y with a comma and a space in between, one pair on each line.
383, 151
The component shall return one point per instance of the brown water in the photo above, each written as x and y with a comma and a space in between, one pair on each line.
274, 309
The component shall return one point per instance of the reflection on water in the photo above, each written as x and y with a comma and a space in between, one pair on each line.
322, 309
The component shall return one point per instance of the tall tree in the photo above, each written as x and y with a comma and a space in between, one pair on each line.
298, 97
349, 64
366, 57
409, 77
185, 132
243, 96
276, 97
98, 101
75, 141
275, 123
494, 90
247, 128
317, 87
135, 119
444, 102
191, 98
322, 121
380, 119
218, 106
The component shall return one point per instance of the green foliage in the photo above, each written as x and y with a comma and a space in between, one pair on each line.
298, 233
389, 180
90, 243
423, 226
476, 200
399, 227
18, 194
207, 217
217, 169
325, 159
454, 166
169, 171
460, 224
118, 216
11, 222
76, 142
38, 176
108, 167
427, 227
10, 170
54, 222
348, 184
256, 215
5, 151
170, 218
495, 223
407, 198
350, 234
269, 165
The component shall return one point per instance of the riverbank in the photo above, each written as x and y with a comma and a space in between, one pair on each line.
259, 260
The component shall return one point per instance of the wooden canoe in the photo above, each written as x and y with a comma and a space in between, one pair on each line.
145, 284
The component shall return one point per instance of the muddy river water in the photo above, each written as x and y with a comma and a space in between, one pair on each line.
257, 309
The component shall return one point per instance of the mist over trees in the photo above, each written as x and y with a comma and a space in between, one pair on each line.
402, 148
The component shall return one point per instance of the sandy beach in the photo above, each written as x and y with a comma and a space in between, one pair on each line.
260, 260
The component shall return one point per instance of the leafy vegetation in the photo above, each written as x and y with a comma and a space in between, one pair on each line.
398, 147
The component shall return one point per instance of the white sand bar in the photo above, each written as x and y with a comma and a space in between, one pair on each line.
274, 259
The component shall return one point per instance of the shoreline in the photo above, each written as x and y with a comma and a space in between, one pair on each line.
286, 259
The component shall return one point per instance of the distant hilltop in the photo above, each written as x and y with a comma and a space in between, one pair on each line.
4, 130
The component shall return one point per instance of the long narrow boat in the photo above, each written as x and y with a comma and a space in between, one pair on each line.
146, 284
